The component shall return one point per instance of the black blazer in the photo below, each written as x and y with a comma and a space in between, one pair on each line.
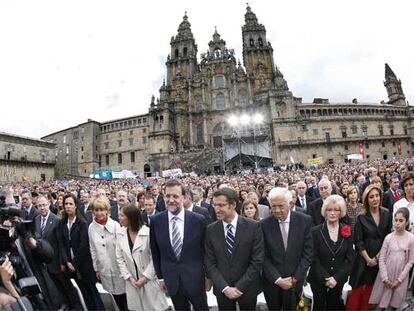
308, 200
313, 193
210, 210
160, 205
243, 268
368, 236
79, 242
203, 211
51, 235
328, 261
296, 259
314, 211
33, 213
388, 200
145, 217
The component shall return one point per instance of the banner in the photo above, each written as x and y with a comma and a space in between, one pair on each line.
172, 173
315, 161
355, 156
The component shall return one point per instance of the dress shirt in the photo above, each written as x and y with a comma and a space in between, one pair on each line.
302, 201
191, 208
234, 224
45, 217
179, 222
287, 222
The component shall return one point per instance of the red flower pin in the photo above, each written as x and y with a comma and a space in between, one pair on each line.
346, 231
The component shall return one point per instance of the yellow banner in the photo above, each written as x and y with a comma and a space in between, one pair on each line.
315, 161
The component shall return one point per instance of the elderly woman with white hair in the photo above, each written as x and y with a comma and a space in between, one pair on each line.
333, 256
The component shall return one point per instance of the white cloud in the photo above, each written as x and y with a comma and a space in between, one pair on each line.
62, 62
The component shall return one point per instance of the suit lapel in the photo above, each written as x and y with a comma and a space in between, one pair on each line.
292, 231
239, 232
276, 229
188, 222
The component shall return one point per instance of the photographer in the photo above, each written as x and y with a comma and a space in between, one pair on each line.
31, 253
8, 292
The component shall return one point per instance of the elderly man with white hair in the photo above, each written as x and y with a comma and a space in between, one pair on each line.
288, 251
314, 210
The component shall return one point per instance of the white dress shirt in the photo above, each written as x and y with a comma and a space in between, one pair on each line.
233, 223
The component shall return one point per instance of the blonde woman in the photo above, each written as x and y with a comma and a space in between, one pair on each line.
102, 242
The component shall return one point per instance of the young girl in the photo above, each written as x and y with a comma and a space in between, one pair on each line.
395, 261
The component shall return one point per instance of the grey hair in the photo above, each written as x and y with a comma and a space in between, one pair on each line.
334, 199
327, 181
278, 192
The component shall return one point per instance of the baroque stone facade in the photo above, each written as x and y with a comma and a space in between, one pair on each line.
189, 120
24, 158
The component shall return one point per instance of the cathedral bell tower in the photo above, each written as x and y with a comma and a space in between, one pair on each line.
258, 56
182, 61
393, 85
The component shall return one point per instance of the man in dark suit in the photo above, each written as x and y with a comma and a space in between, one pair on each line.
159, 199
177, 246
371, 172
122, 200
293, 204
314, 210
393, 194
288, 252
303, 200
234, 254
313, 191
29, 209
198, 199
189, 206
264, 200
84, 203
46, 226
149, 209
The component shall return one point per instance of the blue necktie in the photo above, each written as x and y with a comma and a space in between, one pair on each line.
230, 239
42, 226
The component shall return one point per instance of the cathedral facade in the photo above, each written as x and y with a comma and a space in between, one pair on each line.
215, 113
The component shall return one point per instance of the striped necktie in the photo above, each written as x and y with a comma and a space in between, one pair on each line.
230, 239
42, 226
177, 242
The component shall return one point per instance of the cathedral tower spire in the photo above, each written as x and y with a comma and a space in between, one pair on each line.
394, 90
182, 62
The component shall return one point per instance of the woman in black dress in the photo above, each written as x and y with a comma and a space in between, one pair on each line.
76, 256
333, 256
371, 228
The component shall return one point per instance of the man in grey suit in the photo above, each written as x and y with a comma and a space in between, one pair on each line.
233, 254
288, 251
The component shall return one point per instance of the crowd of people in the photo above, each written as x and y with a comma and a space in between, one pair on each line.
274, 232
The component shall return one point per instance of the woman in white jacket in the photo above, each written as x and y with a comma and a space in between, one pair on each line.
102, 242
134, 258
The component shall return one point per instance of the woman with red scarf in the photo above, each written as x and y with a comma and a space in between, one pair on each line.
102, 242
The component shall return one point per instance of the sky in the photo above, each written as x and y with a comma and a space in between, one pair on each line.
63, 62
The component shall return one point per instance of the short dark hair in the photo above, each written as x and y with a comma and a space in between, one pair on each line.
229, 193
133, 215
175, 183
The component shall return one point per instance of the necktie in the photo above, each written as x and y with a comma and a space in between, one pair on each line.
177, 243
284, 233
42, 226
230, 239
302, 202
396, 196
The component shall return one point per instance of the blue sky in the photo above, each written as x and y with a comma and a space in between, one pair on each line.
62, 62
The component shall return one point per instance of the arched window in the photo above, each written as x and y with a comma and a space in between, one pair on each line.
260, 41
176, 53
220, 101
251, 42
185, 52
